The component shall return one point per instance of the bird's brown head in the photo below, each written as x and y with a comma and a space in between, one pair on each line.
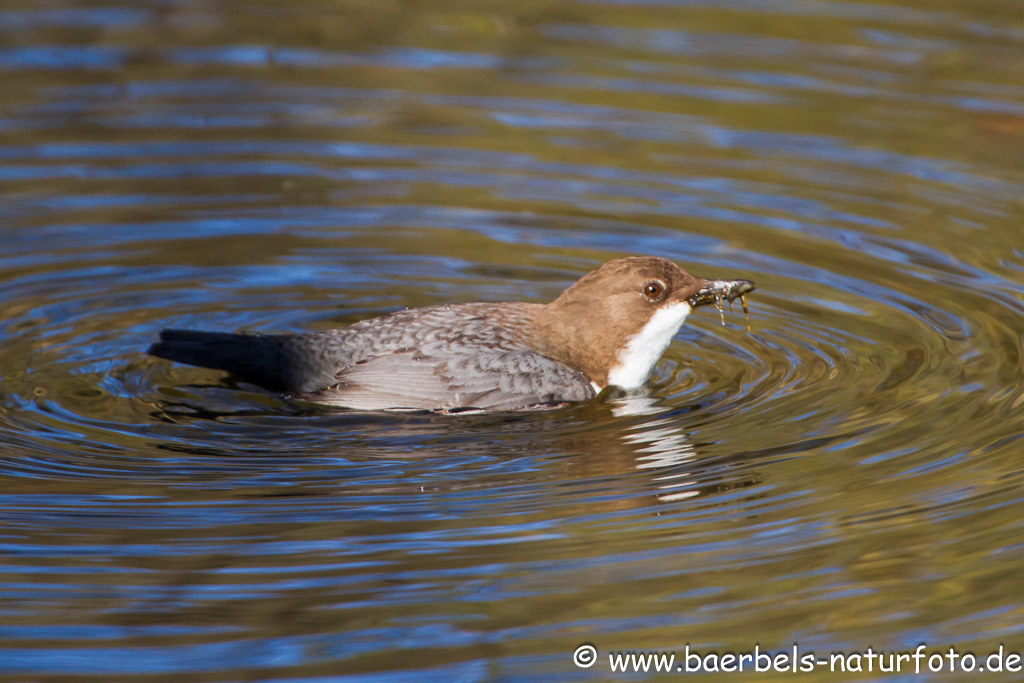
591, 324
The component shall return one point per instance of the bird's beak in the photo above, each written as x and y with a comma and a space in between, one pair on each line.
714, 291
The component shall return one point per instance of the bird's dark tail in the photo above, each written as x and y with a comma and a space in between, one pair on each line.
259, 359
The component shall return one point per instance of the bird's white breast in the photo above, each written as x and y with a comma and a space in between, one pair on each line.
642, 351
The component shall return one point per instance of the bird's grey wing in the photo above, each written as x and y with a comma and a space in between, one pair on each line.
498, 380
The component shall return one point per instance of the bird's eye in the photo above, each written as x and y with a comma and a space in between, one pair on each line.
653, 290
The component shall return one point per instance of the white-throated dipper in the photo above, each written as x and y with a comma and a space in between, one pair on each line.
607, 329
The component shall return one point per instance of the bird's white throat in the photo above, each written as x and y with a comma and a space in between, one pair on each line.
644, 348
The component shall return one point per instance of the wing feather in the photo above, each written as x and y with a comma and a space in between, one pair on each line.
499, 380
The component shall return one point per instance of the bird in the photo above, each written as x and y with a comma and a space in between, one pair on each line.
607, 329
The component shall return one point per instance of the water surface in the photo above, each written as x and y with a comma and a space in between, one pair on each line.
842, 470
